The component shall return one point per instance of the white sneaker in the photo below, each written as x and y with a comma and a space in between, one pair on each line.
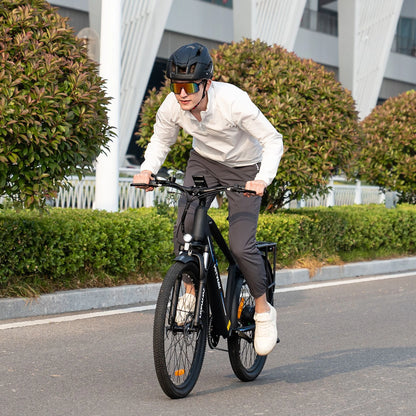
185, 307
265, 336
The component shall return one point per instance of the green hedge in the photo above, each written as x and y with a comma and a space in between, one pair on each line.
65, 244
347, 233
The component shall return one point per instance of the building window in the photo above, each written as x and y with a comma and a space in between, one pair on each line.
323, 21
405, 40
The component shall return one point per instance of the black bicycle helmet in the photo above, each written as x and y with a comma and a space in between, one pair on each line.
190, 63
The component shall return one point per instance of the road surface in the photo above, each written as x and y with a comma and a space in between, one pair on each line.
347, 349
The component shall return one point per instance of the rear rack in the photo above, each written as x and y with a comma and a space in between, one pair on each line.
268, 247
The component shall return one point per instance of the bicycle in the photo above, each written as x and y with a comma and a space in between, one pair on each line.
179, 344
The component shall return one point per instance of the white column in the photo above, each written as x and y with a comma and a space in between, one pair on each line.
366, 30
143, 23
244, 19
107, 170
272, 21
278, 21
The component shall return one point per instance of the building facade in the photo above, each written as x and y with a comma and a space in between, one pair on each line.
370, 45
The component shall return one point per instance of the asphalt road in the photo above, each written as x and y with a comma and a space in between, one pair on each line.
345, 350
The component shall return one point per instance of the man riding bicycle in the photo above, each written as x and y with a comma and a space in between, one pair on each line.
233, 144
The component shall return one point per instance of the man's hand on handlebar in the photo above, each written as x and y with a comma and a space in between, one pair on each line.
258, 186
145, 180
143, 177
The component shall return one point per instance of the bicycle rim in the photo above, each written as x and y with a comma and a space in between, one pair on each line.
178, 350
245, 362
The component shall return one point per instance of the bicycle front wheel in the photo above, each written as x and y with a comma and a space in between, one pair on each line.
178, 345
245, 362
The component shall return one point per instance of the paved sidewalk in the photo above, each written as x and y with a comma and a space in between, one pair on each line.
89, 299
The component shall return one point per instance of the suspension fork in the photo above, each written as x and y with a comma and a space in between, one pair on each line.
201, 284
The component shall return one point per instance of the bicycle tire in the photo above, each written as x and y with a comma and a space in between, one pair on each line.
245, 362
178, 350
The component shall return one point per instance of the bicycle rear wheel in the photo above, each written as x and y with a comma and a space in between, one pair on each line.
178, 349
245, 362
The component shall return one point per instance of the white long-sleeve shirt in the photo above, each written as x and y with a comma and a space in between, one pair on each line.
232, 131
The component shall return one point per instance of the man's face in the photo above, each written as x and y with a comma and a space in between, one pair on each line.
188, 94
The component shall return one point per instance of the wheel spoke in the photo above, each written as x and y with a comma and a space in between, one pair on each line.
245, 362
178, 348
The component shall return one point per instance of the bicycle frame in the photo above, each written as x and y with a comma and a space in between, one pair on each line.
201, 250
183, 324
211, 282
205, 231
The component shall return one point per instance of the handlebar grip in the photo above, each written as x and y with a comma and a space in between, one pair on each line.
242, 190
145, 185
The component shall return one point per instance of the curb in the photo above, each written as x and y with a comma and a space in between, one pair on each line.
122, 296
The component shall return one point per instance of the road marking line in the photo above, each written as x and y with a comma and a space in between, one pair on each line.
79, 316
320, 285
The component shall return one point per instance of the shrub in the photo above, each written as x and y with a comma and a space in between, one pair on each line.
388, 151
65, 243
51, 249
314, 113
53, 109
346, 233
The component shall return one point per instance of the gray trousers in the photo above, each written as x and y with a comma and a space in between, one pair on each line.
243, 215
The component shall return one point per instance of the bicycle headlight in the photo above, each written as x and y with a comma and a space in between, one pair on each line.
187, 238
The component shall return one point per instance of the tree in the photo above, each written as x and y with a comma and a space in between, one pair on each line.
388, 151
53, 120
314, 113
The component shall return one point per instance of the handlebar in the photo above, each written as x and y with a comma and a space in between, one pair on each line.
195, 191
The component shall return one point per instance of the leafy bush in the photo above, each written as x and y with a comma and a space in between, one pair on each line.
66, 243
346, 233
49, 250
53, 109
314, 113
388, 151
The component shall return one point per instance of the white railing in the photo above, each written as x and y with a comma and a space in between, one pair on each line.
82, 195
344, 194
